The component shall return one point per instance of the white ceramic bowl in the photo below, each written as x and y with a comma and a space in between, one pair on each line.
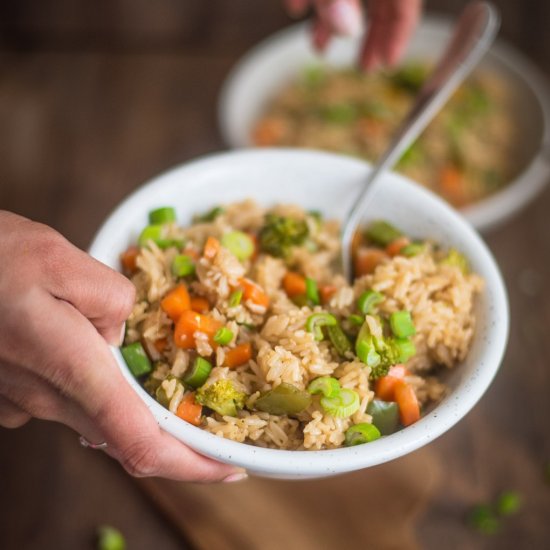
328, 183
275, 61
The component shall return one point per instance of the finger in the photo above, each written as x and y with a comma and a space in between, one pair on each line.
341, 17
11, 416
102, 295
297, 8
369, 56
321, 35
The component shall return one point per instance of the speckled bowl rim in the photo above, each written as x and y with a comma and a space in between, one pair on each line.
306, 464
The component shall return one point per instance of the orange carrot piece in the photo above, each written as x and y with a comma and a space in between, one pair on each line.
254, 293
211, 247
384, 387
294, 284
176, 302
238, 356
452, 184
327, 292
189, 410
409, 409
160, 344
268, 131
367, 260
128, 259
200, 304
394, 248
191, 322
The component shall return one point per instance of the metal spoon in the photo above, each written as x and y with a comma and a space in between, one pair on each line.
473, 35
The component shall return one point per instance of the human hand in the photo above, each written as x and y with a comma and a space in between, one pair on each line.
391, 23
58, 309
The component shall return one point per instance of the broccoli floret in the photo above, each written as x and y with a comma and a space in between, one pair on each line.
222, 397
280, 233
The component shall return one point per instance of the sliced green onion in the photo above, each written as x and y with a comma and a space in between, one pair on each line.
223, 336
456, 259
183, 265
326, 385
412, 249
209, 216
157, 234
166, 214
136, 359
508, 503
199, 373
339, 339
160, 393
405, 348
235, 298
342, 405
317, 320
109, 538
382, 233
364, 347
360, 434
284, 399
368, 300
401, 324
356, 320
385, 415
239, 244
312, 291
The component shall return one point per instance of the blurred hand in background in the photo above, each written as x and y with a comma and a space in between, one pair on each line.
58, 310
391, 24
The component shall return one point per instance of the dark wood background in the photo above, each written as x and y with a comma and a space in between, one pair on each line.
98, 96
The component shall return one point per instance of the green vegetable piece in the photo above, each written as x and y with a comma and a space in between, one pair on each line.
157, 234
412, 249
312, 292
360, 434
313, 77
364, 347
326, 385
160, 393
317, 320
508, 503
209, 216
456, 259
356, 320
166, 214
235, 298
151, 384
483, 519
317, 216
385, 416
136, 359
342, 405
369, 300
340, 113
183, 265
222, 397
404, 348
339, 339
223, 336
239, 244
409, 78
283, 399
199, 373
109, 538
279, 234
402, 324
382, 233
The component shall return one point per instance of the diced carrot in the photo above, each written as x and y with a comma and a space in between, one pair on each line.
327, 292
128, 259
200, 304
384, 387
254, 293
409, 409
294, 284
366, 260
211, 248
268, 131
238, 356
160, 344
452, 185
176, 302
395, 246
189, 410
191, 322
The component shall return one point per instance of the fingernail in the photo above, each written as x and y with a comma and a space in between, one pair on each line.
120, 340
345, 19
240, 476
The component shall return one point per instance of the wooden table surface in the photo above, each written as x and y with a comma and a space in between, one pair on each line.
97, 97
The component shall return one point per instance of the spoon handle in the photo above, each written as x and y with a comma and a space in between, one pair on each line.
473, 35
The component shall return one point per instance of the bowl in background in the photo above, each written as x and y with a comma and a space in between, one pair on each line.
328, 183
277, 60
